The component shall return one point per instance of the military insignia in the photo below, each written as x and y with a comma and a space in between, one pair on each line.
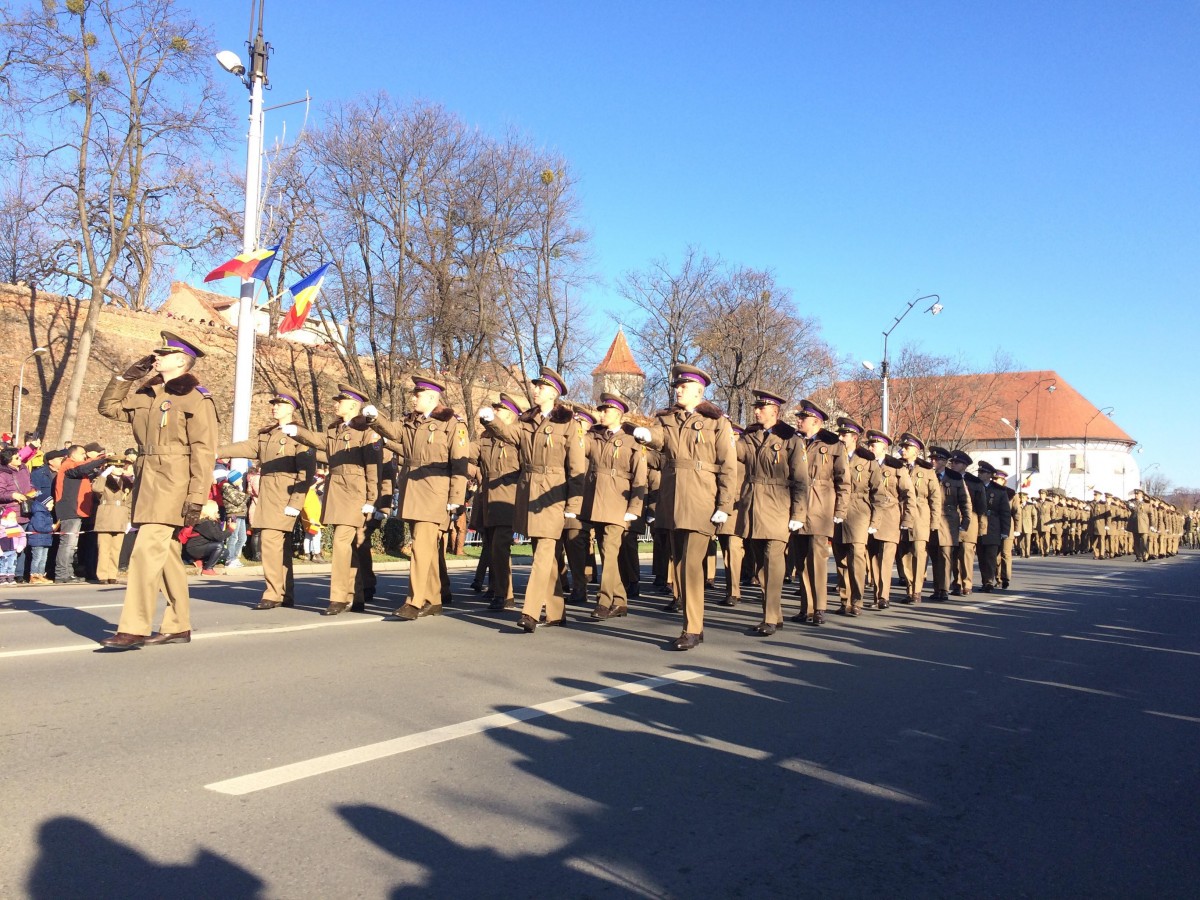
165, 406
823, 449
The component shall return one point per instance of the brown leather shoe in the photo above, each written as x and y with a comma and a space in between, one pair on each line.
818, 618
499, 605
554, 623
268, 604
765, 629
688, 641
673, 606
604, 613
334, 608
123, 641
430, 609
408, 612
177, 637
730, 601
528, 624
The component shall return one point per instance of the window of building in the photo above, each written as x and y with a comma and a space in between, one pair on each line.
1006, 461
1076, 463
1035, 462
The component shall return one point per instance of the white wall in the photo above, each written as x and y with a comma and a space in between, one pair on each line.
1110, 466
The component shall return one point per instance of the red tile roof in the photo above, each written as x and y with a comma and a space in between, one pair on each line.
969, 407
619, 359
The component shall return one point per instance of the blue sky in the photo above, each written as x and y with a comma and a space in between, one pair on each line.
1035, 164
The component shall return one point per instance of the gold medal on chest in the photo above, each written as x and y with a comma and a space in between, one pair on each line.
165, 407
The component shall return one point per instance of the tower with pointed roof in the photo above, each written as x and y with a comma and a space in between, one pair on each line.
618, 373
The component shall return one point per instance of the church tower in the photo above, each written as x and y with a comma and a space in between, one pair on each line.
619, 374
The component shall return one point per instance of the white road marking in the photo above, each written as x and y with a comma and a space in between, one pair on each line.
1069, 687
57, 609
1167, 715
258, 781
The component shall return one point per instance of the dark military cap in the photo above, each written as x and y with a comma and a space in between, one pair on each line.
173, 343
959, 456
908, 439
985, 467
682, 374
345, 392
550, 377
873, 434
766, 398
848, 426
939, 453
614, 401
421, 383
510, 403
807, 408
281, 397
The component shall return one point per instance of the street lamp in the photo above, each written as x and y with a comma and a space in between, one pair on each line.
1015, 425
254, 80
934, 308
1107, 410
37, 351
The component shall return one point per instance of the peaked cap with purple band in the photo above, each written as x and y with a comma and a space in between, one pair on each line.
583, 412
173, 343
874, 434
911, 440
846, 425
807, 408
345, 392
549, 377
681, 374
509, 403
614, 401
763, 398
286, 398
421, 383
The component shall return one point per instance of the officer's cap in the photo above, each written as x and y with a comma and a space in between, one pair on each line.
173, 343
614, 401
421, 383
550, 377
960, 456
874, 434
766, 398
345, 392
939, 453
682, 374
509, 403
908, 439
281, 397
848, 426
807, 408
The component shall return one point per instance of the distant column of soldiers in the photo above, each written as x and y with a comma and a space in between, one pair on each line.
558, 474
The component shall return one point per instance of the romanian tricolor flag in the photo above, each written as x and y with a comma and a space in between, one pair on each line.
305, 292
248, 265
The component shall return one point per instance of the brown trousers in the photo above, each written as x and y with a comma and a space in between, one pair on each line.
156, 562
964, 565
612, 587
344, 568
942, 555
276, 549
772, 558
543, 587
733, 551
108, 555
424, 568
989, 563
852, 566
688, 552
883, 557
813, 556
499, 541
912, 556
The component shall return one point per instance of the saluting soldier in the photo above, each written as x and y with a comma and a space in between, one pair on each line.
850, 535
175, 427
948, 523
964, 557
550, 490
774, 500
500, 469
828, 490
888, 507
113, 488
286, 471
924, 504
431, 485
612, 497
1098, 515
353, 453
696, 495
993, 528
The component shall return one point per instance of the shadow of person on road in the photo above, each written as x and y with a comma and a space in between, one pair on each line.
78, 621
76, 859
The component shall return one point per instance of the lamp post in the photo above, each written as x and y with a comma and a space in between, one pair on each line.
1015, 425
934, 308
37, 351
1107, 410
254, 80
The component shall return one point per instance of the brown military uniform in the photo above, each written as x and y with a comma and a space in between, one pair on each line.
175, 429
947, 525
850, 535
615, 487
286, 471
112, 520
924, 505
353, 454
993, 529
828, 489
964, 557
499, 468
887, 511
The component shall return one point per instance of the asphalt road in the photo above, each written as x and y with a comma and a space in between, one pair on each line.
1041, 742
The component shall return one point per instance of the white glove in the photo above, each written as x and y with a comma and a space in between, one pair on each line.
289, 429
649, 519
291, 512
369, 411
869, 530
837, 521
451, 507
795, 525
719, 518
368, 509
630, 517
641, 434
108, 471
568, 515
1016, 534
486, 414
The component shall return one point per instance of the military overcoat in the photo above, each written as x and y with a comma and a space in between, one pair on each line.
890, 499
432, 465
775, 484
828, 484
353, 453
865, 479
699, 467
286, 469
616, 476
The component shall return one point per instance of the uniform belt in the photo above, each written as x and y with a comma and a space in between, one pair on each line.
696, 464
166, 451
773, 482
543, 470
438, 466
112, 502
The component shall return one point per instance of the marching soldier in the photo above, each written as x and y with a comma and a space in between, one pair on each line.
1028, 524
696, 494
352, 451
964, 557
850, 535
924, 503
828, 490
499, 470
890, 502
949, 522
773, 503
431, 485
550, 490
286, 473
113, 488
612, 498
733, 547
994, 525
175, 426
574, 550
